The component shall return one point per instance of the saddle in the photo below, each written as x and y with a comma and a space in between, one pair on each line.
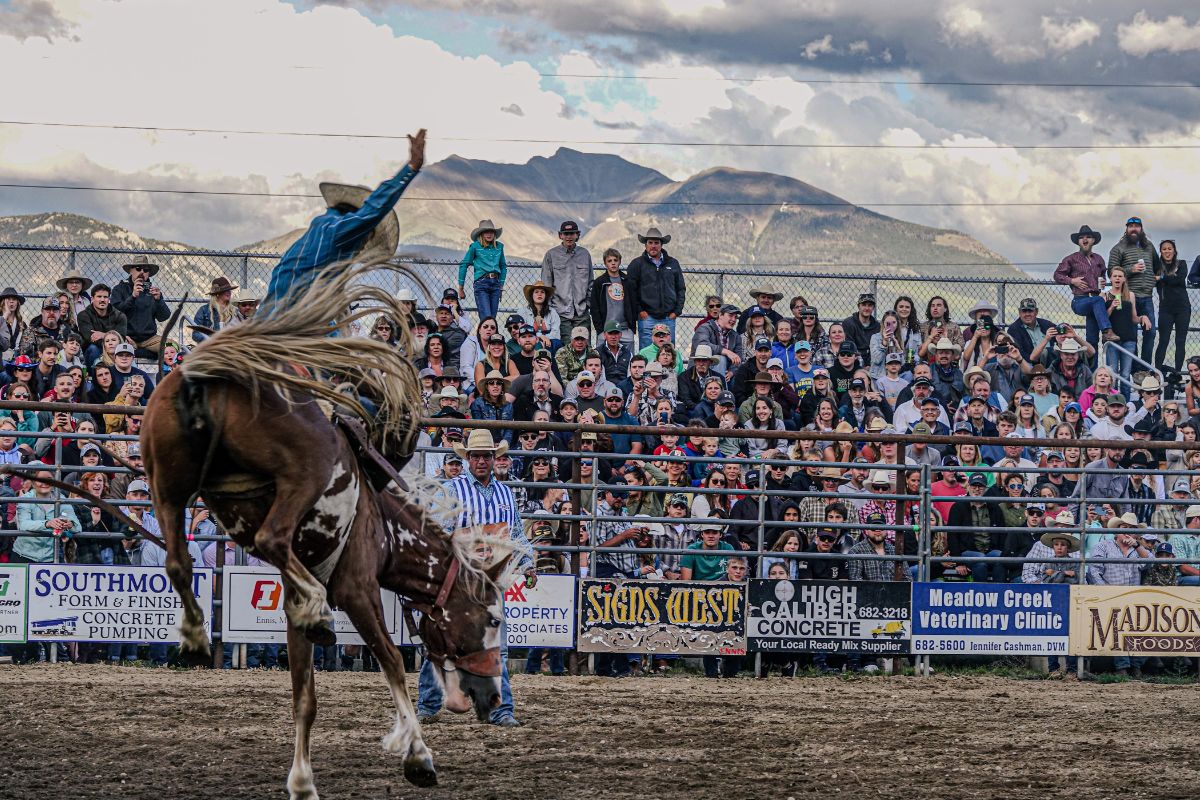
379, 470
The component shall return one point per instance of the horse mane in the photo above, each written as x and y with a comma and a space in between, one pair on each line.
315, 331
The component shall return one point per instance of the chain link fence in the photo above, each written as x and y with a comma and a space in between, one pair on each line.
34, 270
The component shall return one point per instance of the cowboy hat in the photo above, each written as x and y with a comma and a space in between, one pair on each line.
704, 353
383, 240
538, 284
73, 275
1049, 537
1149, 384
241, 301
944, 343
982, 306
833, 474
756, 292
143, 263
485, 225
480, 441
1069, 346
1126, 520
221, 285
655, 233
11, 292
764, 377
1084, 230
494, 375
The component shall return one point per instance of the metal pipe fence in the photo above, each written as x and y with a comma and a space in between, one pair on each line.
832, 290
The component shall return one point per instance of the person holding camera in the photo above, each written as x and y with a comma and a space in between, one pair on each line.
141, 302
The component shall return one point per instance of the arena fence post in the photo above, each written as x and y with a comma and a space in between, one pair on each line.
762, 518
575, 507
1001, 293
925, 545
218, 646
1082, 518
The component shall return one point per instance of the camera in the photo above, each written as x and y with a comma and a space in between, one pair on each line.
1001, 349
1063, 328
985, 321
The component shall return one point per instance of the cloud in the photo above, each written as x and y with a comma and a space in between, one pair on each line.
514, 109
1142, 35
1069, 35
32, 19
818, 47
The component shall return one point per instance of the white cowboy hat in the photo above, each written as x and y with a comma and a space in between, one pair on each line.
384, 239
406, 294
944, 343
982, 306
480, 440
485, 225
654, 233
1149, 383
1063, 518
1069, 346
704, 353
1126, 520
1049, 537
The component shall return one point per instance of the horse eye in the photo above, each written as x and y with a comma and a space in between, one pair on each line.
493, 622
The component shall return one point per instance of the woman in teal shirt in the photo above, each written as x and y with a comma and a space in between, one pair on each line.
486, 255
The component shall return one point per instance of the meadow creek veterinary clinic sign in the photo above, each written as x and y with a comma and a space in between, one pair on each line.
828, 617
990, 618
1135, 620
675, 617
86, 603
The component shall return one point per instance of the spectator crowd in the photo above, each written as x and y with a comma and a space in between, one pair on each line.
601, 343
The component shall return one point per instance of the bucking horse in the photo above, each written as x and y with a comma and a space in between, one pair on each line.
250, 424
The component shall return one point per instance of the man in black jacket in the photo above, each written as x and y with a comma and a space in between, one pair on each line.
1028, 325
98, 319
740, 384
692, 379
614, 354
983, 538
654, 288
862, 326
142, 303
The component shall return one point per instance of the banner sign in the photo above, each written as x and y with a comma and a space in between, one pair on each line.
674, 617
12, 603
1135, 620
991, 618
541, 616
252, 610
95, 603
829, 617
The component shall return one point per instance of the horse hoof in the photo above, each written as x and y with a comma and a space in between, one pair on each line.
420, 772
321, 634
196, 657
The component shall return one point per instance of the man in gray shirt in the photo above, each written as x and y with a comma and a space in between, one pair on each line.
1137, 255
1094, 485
568, 268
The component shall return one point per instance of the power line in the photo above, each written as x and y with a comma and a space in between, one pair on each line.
557, 201
615, 142
872, 82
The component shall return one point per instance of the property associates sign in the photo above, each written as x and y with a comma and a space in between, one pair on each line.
676, 617
829, 617
1135, 620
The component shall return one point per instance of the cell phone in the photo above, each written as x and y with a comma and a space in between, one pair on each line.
1001, 349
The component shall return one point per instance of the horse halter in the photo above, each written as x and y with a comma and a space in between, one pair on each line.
485, 663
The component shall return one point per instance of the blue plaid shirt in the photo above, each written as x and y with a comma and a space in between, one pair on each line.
1127, 574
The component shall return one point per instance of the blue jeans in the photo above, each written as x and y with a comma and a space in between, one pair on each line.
645, 326
1118, 362
1095, 314
984, 572
533, 662
122, 652
262, 655
1145, 307
1189, 580
1125, 662
1052, 663
487, 296
429, 691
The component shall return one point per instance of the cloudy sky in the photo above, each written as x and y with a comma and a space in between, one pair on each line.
622, 76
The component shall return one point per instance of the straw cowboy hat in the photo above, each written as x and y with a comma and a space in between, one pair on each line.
485, 225
384, 239
833, 474
538, 284
241, 301
760, 291
480, 441
654, 233
73, 275
494, 375
1049, 537
1126, 520
221, 285
142, 263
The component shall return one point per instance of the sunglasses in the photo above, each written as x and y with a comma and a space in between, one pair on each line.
528, 437
661, 333
808, 316
716, 483
1016, 486
1170, 410
541, 462
1037, 512
714, 305
827, 538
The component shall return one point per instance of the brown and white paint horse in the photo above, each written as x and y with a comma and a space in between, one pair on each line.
285, 484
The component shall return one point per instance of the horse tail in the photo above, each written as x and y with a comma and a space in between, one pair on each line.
314, 331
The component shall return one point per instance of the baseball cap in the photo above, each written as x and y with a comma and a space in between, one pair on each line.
459, 432
922, 381
730, 308
774, 362
894, 358
514, 319
585, 375
658, 328
875, 518
866, 297
654, 368
569, 226
977, 400
615, 391
978, 479
1192, 511
960, 427
124, 348
931, 401
1026, 400
450, 294
50, 302
804, 344
1012, 435
1028, 304
89, 448
1117, 398
427, 373
453, 458
756, 311
1038, 506
526, 330
1163, 549
134, 450
820, 372
612, 327
444, 307
847, 348
542, 353
1072, 406
725, 398
921, 428
569, 401
1181, 485
762, 343
1054, 455
138, 486
495, 338
678, 499
858, 383
579, 332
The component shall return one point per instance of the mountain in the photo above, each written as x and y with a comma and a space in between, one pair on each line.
727, 219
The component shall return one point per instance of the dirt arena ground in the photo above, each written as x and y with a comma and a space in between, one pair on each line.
93, 731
